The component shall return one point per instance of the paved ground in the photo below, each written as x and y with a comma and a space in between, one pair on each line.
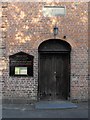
29, 111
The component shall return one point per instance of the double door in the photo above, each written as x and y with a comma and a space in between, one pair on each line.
53, 76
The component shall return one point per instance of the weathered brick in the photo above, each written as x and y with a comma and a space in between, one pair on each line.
27, 28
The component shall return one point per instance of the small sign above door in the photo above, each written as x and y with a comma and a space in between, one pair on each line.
50, 11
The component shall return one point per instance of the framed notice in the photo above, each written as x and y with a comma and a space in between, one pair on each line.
21, 64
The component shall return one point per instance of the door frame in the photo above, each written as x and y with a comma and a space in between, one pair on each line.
56, 52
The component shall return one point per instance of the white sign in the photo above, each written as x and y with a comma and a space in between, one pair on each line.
49, 11
20, 70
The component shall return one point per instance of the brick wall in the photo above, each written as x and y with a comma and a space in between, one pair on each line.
25, 27
89, 49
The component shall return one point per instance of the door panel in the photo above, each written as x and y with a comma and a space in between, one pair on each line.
46, 77
59, 76
53, 78
62, 74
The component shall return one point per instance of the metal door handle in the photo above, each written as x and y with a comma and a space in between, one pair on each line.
54, 73
54, 76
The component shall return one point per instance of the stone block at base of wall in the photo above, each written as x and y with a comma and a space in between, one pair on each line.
78, 100
18, 101
29, 101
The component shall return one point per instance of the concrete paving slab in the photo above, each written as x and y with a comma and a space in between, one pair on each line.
54, 105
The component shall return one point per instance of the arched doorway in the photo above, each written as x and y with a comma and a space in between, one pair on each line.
54, 70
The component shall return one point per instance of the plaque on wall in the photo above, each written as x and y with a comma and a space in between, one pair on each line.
21, 64
50, 11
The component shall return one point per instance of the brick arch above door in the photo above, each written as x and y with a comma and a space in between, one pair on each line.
56, 45
70, 41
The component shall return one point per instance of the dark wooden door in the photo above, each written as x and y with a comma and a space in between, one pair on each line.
53, 76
